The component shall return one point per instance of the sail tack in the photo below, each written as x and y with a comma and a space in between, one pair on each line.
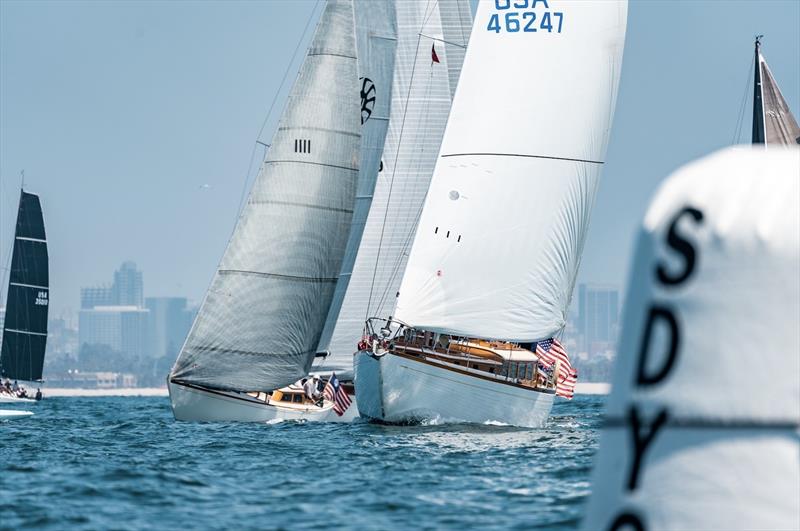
25, 326
422, 94
773, 122
702, 422
260, 324
503, 226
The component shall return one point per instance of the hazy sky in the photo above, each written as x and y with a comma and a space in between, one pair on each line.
135, 121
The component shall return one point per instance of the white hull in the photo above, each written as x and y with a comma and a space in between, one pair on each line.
14, 414
5, 399
395, 389
196, 404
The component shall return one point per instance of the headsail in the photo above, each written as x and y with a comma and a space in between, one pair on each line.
703, 417
422, 94
503, 226
25, 326
260, 323
376, 42
773, 122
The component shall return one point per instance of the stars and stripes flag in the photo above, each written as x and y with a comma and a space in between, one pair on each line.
336, 394
549, 351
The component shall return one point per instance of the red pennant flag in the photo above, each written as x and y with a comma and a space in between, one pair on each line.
434, 57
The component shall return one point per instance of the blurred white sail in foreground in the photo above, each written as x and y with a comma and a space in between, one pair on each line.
702, 421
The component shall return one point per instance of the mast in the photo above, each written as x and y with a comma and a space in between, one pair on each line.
27, 299
758, 97
260, 323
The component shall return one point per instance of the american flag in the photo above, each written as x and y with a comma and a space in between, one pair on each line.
550, 351
336, 394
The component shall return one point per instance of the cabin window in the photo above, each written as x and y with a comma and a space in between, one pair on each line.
286, 398
298, 399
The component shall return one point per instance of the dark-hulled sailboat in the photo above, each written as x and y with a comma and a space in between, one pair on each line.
25, 325
773, 122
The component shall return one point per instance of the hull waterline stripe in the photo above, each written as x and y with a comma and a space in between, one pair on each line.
25, 332
520, 155
27, 285
278, 276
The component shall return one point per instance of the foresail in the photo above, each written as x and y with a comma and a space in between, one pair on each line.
500, 238
421, 98
780, 126
376, 41
260, 323
25, 326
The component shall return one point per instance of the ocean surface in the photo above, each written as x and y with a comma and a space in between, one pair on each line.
124, 463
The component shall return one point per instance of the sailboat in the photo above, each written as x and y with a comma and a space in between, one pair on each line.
388, 99
701, 428
27, 303
494, 259
773, 122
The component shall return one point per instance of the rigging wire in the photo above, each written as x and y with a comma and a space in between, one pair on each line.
737, 132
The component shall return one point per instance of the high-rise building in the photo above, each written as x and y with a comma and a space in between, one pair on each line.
128, 288
169, 324
598, 317
121, 328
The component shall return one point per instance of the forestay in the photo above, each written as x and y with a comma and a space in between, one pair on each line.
27, 303
422, 94
503, 226
376, 41
702, 422
260, 324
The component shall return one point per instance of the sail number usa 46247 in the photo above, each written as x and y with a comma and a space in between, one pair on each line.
513, 16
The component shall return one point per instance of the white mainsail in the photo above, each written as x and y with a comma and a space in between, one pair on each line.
702, 422
261, 320
499, 242
422, 94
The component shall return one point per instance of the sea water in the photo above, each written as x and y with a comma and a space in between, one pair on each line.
125, 463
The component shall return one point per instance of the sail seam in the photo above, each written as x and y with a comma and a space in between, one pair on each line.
252, 352
332, 55
27, 239
712, 424
279, 276
25, 332
311, 162
523, 156
27, 285
306, 205
322, 129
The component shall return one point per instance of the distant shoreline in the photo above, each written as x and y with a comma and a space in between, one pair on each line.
582, 388
124, 391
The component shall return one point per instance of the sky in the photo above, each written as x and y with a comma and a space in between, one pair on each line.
136, 122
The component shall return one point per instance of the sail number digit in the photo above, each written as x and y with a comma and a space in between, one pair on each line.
41, 299
528, 21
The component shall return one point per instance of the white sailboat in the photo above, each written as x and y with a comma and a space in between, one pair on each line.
498, 245
25, 324
702, 423
385, 100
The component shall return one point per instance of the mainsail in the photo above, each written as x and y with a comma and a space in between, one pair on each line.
422, 94
261, 320
25, 326
504, 222
701, 428
773, 122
